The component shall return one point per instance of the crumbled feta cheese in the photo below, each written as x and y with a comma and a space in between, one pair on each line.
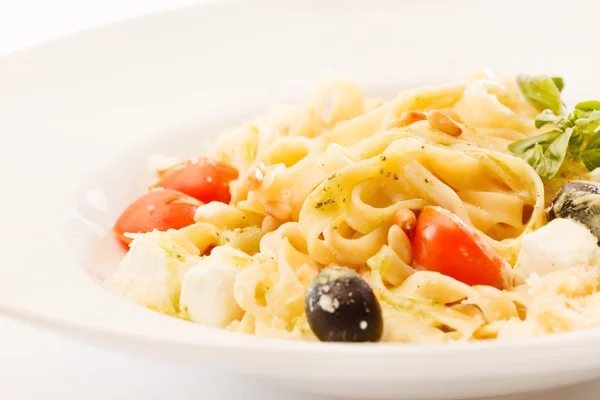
326, 303
151, 272
207, 290
558, 246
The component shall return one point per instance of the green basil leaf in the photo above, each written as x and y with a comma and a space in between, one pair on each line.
590, 125
545, 152
535, 157
559, 82
589, 105
555, 154
577, 114
591, 154
525, 144
548, 117
541, 91
575, 142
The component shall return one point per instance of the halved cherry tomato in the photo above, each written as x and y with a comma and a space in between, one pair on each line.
443, 243
161, 209
204, 179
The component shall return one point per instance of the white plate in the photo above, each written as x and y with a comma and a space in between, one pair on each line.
168, 83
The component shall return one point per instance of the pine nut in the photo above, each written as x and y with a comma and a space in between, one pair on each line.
405, 219
255, 177
440, 121
399, 242
410, 117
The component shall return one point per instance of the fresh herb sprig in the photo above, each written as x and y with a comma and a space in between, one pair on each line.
574, 135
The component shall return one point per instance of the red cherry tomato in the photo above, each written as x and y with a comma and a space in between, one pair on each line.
443, 243
158, 209
204, 179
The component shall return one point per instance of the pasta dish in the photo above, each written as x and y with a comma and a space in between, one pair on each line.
459, 212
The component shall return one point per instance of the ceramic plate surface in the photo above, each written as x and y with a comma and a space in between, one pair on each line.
80, 115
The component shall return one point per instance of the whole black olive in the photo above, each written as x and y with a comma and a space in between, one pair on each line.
341, 307
579, 201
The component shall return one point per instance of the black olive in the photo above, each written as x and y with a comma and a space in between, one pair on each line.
579, 201
341, 307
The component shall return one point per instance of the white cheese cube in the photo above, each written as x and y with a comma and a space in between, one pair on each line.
558, 246
151, 272
207, 290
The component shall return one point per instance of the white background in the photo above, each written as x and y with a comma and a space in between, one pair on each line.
27, 22
36, 364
